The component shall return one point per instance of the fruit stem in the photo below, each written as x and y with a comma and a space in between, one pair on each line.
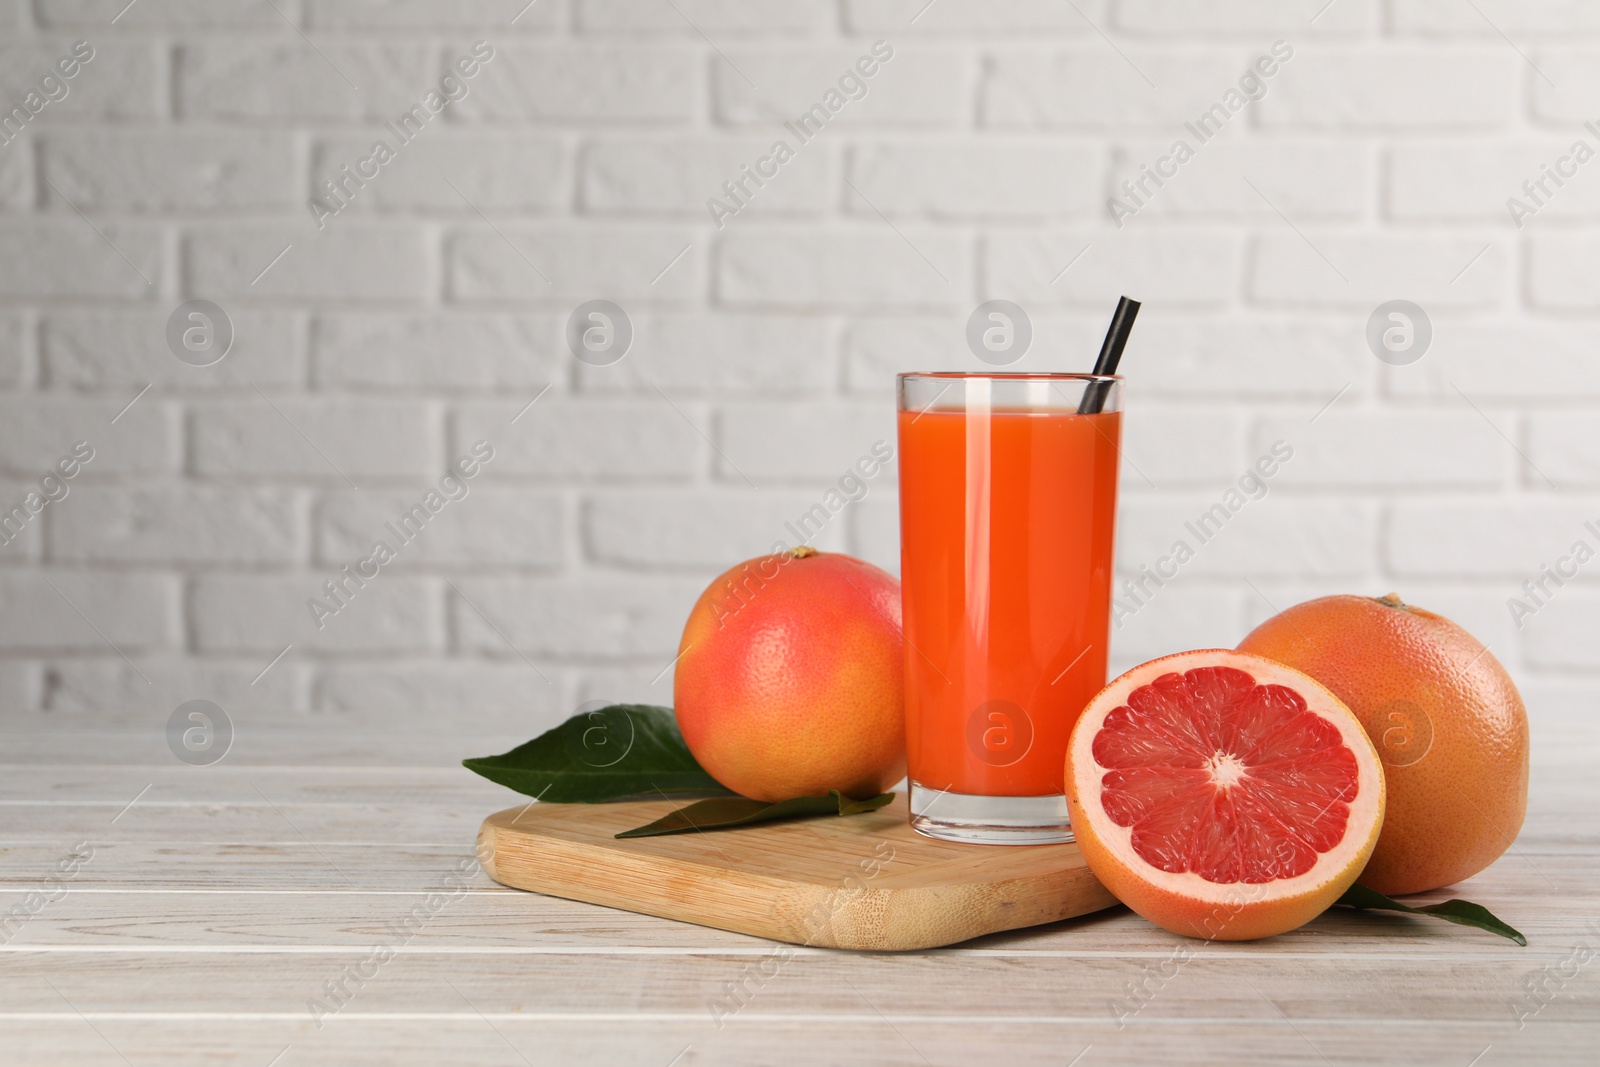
802, 552
1393, 600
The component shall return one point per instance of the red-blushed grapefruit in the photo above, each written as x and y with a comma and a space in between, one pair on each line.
1447, 719
1222, 795
790, 677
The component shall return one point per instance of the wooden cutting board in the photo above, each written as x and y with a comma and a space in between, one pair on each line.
859, 881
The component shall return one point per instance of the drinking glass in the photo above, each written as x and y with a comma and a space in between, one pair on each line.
1008, 497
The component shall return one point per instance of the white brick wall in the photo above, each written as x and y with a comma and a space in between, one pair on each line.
428, 314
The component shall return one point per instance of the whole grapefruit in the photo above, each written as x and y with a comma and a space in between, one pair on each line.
790, 680
1446, 719
1222, 795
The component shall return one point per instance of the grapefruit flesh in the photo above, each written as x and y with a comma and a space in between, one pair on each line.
1447, 721
790, 677
1222, 795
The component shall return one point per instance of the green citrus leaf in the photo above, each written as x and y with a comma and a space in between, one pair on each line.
721, 813
624, 750
1462, 912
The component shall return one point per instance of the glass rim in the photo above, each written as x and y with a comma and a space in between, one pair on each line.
1015, 376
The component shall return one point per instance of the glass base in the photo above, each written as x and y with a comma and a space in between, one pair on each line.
980, 820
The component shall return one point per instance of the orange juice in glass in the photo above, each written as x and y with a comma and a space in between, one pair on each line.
1008, 503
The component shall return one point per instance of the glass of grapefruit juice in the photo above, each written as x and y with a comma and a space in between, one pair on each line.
1008, 501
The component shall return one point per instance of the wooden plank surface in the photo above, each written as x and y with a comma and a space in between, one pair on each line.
1394, 986
452, 1036
220, 906
494, 919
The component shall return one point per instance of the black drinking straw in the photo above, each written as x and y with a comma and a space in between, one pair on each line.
1094, 394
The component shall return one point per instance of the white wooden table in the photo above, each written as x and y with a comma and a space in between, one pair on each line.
222, 910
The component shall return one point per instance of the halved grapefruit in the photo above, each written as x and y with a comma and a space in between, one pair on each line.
1222, 795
